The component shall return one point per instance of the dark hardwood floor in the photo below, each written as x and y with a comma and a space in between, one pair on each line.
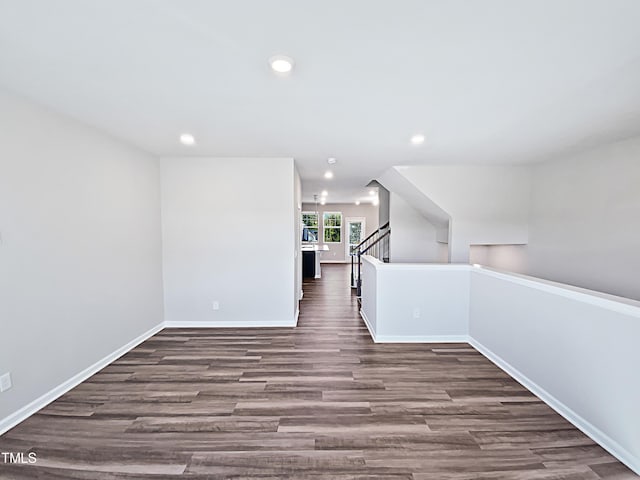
319, 401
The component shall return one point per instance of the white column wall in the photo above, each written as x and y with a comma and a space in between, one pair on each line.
228, 239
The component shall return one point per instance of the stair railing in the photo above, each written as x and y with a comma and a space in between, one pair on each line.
377, 245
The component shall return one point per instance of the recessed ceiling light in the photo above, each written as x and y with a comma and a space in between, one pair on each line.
331, 160
357, 202
372, 192
417, 139
328, 174
322, 202
376, 201
187, 139
281, 63
324, 193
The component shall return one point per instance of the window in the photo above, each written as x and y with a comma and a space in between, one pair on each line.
332, 223
310, 227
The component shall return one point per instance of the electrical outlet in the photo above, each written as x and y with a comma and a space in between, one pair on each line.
5, 382
416, 313
216, 305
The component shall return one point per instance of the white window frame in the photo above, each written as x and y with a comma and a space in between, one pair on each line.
317, 214
340, 227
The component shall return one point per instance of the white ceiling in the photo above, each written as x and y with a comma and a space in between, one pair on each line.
486, 81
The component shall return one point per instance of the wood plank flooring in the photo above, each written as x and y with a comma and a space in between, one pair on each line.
320, 401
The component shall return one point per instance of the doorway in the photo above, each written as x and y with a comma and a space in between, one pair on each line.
356, 227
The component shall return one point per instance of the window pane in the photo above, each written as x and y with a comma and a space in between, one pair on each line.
332, 219
309, 234
310, 219
332, 234
355, 232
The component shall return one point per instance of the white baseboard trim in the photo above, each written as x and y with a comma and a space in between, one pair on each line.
227, 324
422, 339
597, 435
412, 338
368, 325
39, 403
296, 317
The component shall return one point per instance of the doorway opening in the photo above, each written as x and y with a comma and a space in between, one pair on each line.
356, 226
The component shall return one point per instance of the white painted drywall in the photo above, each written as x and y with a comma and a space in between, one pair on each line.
228, 235
337, 251
438, 294
511, 258
579, 350
585, 219
369, 297
80, 252
487, 204
413, 237
394, 181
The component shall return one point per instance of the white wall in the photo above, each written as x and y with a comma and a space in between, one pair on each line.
577, 351
393, 294
228, 235
80, 251
577, 214
337, 251
585, 219
443, 252
487, 204
369, 306
413, 237
512, 258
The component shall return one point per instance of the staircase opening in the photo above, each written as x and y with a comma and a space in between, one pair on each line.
376, 245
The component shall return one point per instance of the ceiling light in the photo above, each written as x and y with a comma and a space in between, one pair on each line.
357, 202
331, 160
376, 201
417, 139
372, 192
328, 174
323, 201
281, 63
324, 193
187, 139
